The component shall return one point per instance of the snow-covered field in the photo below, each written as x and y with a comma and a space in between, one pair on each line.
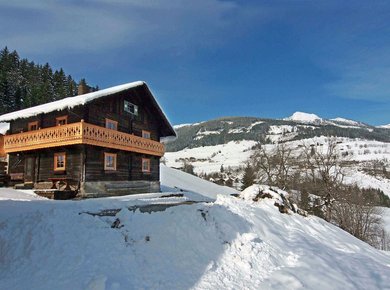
210, 158
227, 244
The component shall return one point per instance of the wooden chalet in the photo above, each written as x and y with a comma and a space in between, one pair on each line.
98, 144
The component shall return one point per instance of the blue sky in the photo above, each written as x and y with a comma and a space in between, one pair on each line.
206, 59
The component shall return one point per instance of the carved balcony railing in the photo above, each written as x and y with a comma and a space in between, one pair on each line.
80, 133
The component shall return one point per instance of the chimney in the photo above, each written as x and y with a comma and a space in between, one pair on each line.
83, 88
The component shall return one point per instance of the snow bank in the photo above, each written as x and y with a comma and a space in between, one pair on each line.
176, 180
229, 244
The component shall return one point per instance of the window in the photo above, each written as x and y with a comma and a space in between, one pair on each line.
145, 134
145, 165
63, 120
131, 108
110, 124
33, 126
59, 161
109, 161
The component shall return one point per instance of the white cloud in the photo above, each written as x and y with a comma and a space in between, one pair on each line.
102, 24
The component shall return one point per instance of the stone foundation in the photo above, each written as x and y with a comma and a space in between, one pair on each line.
117, 188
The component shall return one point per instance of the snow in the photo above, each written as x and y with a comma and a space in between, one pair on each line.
238, 130
4, 127
281, 129
304, 117
386, 218
254, 124
346, 121
187, 125
209, 159
181, 125
173, 179
231, 243
201, 133
69, 102
384, 126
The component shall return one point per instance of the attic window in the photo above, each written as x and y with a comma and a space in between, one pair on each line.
131, 108
63, 120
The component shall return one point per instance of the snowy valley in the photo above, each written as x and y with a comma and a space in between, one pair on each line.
228, 144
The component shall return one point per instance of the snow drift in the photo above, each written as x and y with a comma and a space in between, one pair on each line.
232, 243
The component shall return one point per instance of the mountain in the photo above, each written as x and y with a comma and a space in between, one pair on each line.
225, 243
296, 127
226, 144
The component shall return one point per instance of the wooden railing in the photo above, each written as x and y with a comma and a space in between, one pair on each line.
80, 133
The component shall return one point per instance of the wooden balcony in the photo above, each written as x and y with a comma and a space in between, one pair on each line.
81, 133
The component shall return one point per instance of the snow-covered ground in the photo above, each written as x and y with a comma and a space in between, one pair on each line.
231, 243
210, 158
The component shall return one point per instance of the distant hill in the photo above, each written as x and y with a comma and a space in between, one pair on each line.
298, 126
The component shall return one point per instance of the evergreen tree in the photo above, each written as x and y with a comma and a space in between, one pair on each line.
249, 177
24, 84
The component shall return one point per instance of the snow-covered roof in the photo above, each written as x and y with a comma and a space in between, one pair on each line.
69, 102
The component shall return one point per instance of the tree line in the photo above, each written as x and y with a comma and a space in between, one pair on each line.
24, 84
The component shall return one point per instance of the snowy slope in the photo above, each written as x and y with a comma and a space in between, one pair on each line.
210, 158
173, 179
384, 126
229, 244
346, 121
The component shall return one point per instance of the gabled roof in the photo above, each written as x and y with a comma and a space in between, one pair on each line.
71, 102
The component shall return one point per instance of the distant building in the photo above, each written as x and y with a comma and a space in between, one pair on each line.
100, 143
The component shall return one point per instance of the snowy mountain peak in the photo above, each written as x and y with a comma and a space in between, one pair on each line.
304, 117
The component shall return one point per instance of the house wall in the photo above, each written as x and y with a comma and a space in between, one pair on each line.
44, 164
113, 108
128, 166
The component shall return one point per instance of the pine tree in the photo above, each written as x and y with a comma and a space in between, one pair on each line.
24, 84
249, 177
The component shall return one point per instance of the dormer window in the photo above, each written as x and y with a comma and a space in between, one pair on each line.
131, 108
63, 120
33, 126
111, 124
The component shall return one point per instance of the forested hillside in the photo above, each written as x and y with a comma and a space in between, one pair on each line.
24, 83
